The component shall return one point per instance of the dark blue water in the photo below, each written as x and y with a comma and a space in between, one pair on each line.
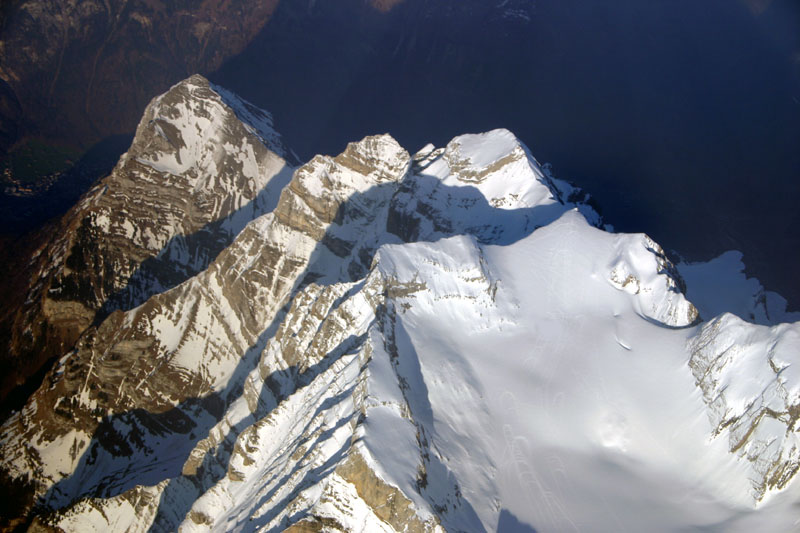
681, 118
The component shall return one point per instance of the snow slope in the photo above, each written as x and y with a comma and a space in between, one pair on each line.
554, 398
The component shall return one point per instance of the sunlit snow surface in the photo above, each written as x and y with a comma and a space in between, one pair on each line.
560, 403
523, 371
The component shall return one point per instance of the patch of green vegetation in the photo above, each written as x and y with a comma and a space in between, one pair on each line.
33, 159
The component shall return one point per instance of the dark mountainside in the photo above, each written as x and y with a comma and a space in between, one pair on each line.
681, 119
79, 72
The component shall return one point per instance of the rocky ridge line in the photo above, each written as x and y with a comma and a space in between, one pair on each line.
334, 232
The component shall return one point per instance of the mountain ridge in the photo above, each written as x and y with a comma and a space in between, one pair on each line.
427, 342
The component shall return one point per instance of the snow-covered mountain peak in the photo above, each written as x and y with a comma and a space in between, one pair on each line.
198, 174
498, 165
195, 124
473, 153
485, 185
641, 268
339, 204
379, 157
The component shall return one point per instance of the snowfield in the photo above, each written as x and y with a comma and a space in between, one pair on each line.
559, 400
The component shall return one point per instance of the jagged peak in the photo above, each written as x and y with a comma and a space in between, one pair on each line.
197, 80
501, 168
194, 121
362, 165
378, 156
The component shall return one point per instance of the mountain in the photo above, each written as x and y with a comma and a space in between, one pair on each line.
643, 104
445, 341
203, 163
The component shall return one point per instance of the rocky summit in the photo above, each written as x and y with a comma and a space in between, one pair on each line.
378, 341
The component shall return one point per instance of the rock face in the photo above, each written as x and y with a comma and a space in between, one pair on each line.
203, 163
443, 341
758, 415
